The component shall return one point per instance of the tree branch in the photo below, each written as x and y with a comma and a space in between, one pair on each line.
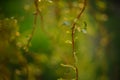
36, 14
73, 34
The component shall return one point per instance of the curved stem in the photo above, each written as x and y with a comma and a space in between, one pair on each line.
36, 14
73, 34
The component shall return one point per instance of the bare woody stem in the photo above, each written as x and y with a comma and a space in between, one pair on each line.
36, 14
74, 24
73, 34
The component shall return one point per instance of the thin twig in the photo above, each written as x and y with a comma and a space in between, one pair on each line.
36, 14
73, 34
74, 24
70, 66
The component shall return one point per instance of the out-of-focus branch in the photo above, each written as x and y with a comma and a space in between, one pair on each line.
73, 40
36, 14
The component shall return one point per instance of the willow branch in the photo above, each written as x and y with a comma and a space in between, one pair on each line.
36, 14
73, 34
74, 24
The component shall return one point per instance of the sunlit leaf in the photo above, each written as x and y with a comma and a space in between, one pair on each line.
68, 42
50, 1
84, 31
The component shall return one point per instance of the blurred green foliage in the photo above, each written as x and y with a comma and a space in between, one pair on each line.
96, 40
